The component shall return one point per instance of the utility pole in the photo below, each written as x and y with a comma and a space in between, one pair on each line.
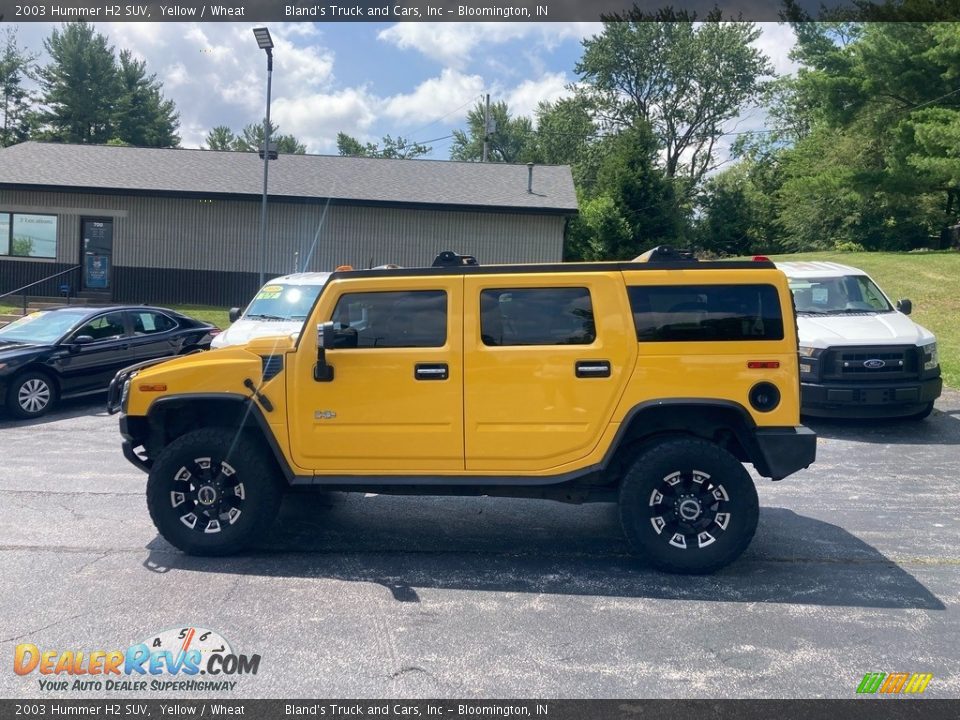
486, 128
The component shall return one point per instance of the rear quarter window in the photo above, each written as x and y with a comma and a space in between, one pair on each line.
706, 313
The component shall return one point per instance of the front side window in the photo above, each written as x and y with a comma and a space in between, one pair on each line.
104, 327
702, 313
394, 319
536, 316
838, 295
149, 323
24, 235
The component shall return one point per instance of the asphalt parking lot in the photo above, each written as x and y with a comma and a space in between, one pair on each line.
855, 568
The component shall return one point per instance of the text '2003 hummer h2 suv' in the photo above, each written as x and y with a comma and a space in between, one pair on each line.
643, 383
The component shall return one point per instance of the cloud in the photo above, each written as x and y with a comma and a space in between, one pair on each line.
435, 98
316, 119
452, 44
524, 98
776, 41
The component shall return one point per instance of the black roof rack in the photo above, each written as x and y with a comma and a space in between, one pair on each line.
665, 253
448, 258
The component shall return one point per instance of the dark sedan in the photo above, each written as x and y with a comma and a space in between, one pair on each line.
76, 350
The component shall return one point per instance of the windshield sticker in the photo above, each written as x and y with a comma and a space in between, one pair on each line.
820, 295
270, 292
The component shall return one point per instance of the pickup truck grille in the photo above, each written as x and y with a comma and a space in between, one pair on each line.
864, 364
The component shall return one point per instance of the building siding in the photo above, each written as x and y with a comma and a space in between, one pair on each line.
164, 246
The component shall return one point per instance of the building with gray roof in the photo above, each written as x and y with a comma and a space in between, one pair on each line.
182, 226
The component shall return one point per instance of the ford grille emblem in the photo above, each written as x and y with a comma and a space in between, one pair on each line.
874, 364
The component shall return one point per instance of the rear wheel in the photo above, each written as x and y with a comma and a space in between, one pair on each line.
31, 395
213, 492
688, 506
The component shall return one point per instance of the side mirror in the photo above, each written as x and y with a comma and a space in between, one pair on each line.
905, 306
322, 372
80, 340
234, 314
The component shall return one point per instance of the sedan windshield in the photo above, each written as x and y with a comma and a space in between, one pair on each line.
42, 328
283, 302
838, 295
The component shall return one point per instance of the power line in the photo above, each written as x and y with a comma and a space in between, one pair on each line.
442, 117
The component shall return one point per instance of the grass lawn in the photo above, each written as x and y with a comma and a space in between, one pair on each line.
930, 279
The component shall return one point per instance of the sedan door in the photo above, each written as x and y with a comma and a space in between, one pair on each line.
155, 335
90, 366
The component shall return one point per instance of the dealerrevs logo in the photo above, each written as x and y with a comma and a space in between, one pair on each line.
181, 653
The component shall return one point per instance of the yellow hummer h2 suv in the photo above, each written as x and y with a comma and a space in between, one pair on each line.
646, 383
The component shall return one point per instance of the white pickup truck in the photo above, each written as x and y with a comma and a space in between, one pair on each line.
860, 356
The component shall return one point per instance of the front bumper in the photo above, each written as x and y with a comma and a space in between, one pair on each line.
784, 450
132, 430
874, 400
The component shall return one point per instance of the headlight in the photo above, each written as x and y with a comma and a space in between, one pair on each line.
124, 396
931, 358
807, 351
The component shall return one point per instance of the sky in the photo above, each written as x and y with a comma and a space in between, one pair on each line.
414, 79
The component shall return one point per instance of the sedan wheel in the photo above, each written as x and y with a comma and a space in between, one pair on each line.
31, 395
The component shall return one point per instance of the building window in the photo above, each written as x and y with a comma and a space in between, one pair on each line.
4, 233
395, 319
24, 235
536, 316
699, 313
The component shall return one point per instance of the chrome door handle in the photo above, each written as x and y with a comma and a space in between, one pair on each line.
431, 371
592, 368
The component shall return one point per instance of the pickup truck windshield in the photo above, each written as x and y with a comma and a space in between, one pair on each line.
283, 302
838, 295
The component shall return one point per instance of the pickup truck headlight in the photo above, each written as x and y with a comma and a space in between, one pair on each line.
931, 358
807, 351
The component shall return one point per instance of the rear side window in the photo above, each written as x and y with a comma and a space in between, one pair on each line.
148, 323
394, 319
536, 316
705, 313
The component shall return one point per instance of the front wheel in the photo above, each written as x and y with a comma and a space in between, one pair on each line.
31, 395
688, 506
213, 492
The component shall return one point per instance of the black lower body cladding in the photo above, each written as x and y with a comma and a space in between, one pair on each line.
784, 450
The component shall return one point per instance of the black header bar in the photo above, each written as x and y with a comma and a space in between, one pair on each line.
123, 708
262, 11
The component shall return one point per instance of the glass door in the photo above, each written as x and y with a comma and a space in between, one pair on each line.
97, 249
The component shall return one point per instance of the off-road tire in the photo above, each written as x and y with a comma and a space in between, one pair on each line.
240, 472
27, 391
713, 538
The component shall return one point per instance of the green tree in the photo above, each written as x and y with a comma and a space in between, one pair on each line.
220, 138
250, 139
80, 85
512, 139
880, 164
632, 205
142, 116
564, 132
16, 67
389, 148
684, 80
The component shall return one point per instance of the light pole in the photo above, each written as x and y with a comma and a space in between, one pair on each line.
266, 43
